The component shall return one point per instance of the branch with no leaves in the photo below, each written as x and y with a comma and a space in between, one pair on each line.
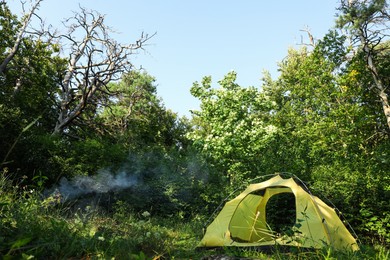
94, 60
311, 38
20, 34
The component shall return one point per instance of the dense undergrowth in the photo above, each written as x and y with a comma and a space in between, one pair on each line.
34, 227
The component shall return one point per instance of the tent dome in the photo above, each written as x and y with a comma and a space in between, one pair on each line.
243, 220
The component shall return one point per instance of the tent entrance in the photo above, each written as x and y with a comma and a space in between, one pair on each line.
262, 214
281, 212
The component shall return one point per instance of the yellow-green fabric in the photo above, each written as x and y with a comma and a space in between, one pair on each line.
242, 221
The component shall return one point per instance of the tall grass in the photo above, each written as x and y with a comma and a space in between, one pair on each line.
35, 227
31, 226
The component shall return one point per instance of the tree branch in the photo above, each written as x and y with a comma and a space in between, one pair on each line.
94, 61
19, 37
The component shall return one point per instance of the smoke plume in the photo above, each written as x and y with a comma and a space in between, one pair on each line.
103, 182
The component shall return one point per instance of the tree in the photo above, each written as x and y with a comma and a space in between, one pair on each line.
20, 31
94, 61
367, 21
232, 129
135, 116
323, 108
28, 94
305, 104
331, 129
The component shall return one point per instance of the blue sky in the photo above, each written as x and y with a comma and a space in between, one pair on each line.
204, 37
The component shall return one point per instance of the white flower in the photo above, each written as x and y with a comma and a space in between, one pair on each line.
146, 214
271, 129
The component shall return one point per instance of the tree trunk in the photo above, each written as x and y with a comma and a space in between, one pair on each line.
381, 89
19, 38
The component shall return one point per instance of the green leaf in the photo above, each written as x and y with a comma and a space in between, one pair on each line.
21, 242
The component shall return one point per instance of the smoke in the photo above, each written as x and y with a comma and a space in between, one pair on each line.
104, 181
167, 179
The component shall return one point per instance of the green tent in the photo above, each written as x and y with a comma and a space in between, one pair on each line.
242, 221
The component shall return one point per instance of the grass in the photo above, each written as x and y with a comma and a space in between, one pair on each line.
32, 227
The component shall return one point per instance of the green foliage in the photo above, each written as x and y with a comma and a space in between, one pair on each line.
32, 228
135, 117
335, 130
27, 98
332, 47
9, 24
168, 184
377, 225
232, 126
367, 24
354, 14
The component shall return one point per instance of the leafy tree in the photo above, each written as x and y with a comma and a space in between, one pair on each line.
58, 94
232, 128
29, 84
367, 23
332, 129
135, 116
303, 94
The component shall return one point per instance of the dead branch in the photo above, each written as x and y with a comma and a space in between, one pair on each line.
94, 60
19, 36
311, 38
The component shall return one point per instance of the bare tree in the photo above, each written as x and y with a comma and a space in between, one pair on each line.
368, 22
94, 60
19, 34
